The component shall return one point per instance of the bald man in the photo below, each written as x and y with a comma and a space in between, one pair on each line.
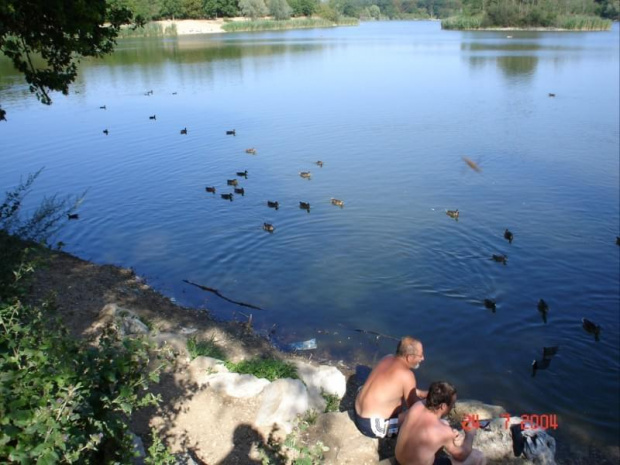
390, 385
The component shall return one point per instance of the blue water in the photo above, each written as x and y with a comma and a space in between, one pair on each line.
391, 109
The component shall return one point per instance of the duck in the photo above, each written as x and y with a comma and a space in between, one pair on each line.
551, 95
305, 174
305, 206
591, 327
239, 190
106, 132
271, 204
549, 352
210, 189
231, 133
540, 365
251, 150
148, 92
232, 182
319, 163
174, 93
543, 308
490, 304
453, 213
500, 258
184, 131
617, 240
72, 216
269, 227
337, 202
243, 173
153, 117
103, 107
508, 236
227, 196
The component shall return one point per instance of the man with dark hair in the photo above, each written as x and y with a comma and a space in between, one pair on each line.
380, 401
423, 432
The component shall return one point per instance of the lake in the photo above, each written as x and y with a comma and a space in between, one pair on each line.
391, 108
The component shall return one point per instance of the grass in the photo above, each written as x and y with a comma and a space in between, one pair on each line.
568, 22
462, 22
269, 368
204, 348
296, 23
583, 23
148, 30
333, 402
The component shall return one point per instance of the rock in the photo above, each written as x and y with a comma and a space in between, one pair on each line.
138, 448
234, 384
346, 444
131, 325
474, 407
320, 379
124, 320
283, 400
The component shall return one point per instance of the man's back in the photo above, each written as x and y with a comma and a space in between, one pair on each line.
382, 394
421, 435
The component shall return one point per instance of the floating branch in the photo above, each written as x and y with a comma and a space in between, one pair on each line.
374, 333
216, 292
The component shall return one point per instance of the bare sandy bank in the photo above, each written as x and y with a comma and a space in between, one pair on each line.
197, 26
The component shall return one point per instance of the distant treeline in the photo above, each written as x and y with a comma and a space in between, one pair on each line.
483, 13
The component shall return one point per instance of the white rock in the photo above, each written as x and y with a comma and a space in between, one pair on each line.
235, 385
322, 378
283, 400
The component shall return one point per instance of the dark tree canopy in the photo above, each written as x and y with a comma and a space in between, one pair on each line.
45, 39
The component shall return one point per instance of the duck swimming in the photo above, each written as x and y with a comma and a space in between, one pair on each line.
305, 206
227, 196
500, 258
231, 133
305, 174
239, 190
337, 202
103, 107
106, 132
210, 189
591, 327
72, 216
184, 131
251, 150
543, 308
232, 182
243, 174
319, 163
508, 236
153, 117
551, 95
490, 304
453, 213
269, 227
271, 204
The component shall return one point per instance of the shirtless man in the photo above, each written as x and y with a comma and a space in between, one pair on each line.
423, 433
379, 403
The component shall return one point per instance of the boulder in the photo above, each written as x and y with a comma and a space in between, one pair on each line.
234, 384
283, 400
319, 379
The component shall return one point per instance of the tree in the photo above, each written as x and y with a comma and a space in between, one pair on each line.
279, 9
45, 39
253, 8
220, 8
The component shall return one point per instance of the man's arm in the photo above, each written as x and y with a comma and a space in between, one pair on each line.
421, 394
410, 393
458, 446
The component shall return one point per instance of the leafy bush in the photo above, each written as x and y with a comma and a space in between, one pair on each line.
270, 369
332, 402
206, 348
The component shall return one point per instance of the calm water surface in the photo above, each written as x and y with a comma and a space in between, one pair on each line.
391, 109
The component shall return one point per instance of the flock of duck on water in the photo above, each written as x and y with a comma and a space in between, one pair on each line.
270, 203
543, 307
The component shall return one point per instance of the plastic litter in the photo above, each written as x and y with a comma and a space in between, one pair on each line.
303, 345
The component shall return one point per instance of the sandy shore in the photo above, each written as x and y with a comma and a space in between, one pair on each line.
197, 26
